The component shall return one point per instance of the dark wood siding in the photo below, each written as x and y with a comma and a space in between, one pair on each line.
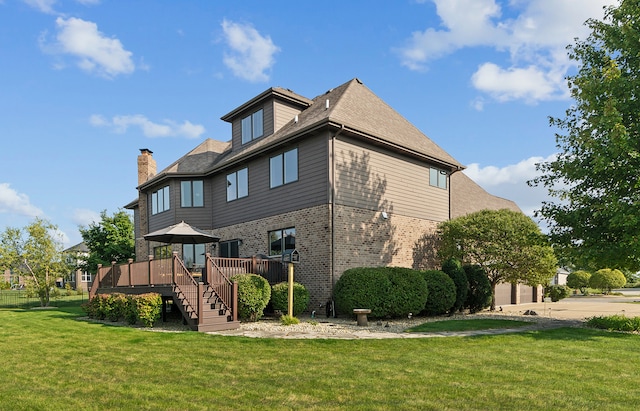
310, 190
368, 177
282, 114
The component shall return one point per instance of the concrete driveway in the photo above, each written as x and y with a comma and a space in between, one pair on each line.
578, 307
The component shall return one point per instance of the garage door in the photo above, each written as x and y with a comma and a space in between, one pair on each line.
503, 294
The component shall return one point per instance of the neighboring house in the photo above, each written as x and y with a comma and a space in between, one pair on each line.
343, 178
561, 277
76, 256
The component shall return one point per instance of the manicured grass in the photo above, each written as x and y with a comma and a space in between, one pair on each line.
51, 361
467, 325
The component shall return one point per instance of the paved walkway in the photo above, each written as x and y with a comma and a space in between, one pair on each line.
570, 312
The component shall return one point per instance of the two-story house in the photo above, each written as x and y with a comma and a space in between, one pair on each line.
343, 178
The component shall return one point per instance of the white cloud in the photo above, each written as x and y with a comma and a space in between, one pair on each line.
250, 54
12, 202
168, 128
45, 6
84, 217
511, 182
95, 52
534, 33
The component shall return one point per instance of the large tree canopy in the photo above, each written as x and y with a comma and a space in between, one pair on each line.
36, 253
596, 174
111, 239
507, 244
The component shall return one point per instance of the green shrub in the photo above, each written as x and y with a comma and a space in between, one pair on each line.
280, 297
408, 292
614, 323
607, 279
579, 280
68, 289
96, 307
130, 313
480, 294
149, 308
5, 285
442, 292
115, 306
454, 269
557, 292
254, 293
363, 288
289, 320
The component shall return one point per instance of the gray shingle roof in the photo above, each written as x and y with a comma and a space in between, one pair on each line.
351, 105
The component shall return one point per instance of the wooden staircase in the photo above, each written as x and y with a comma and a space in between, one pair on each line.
208, 306
212, 315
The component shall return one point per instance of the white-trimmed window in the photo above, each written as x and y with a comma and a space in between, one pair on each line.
86, 277
192, 193
238, 184
252, 127
160, 200
282, 240
438, 178
283, 168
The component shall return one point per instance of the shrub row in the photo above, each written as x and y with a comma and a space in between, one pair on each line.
254, 294
143, 308
615, 323
393, 292
557, 292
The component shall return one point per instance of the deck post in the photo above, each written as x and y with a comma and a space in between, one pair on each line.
149, 269
234, 301
113, 274
174, 263
200, 302
130, 262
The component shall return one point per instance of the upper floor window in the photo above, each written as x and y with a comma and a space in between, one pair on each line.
160, 200
280, 240
238, 184
283, 168
192, 193
252, 127
437, 178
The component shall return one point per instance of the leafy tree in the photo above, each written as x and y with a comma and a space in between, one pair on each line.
596, 220
579, 279
111, 239
479, 295
507, 244
607, 279
36, 253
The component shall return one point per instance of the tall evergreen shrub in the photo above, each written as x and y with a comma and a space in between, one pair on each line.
453, 268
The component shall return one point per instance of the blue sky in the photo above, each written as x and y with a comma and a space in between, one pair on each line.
84, 84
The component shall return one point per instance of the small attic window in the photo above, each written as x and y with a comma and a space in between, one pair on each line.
437, 178
252, 127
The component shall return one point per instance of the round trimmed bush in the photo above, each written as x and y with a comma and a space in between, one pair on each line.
480, 294
280, 297
453, 268
363, 288
254, 293
607, 279
442, 292
408, 292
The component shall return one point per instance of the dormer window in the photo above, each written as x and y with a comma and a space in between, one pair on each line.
252, 127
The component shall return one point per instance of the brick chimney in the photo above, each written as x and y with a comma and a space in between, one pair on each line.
146, 165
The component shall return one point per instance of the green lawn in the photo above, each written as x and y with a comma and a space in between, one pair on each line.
51, 361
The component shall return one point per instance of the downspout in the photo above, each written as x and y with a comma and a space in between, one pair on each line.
458, 169
332, 202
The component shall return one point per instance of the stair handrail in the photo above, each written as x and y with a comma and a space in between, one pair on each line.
186, 284
221, 284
